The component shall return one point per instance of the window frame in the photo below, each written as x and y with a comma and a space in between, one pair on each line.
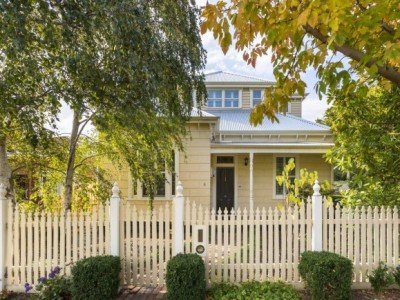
223, 99
137, 193
252, 96
274, 170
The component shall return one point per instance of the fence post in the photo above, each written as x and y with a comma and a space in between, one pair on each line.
178, 219
3, 235
317, 218
114, 221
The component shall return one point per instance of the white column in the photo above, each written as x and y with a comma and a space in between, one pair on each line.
3, 235
317, 218
178, 219
251, 197
114, 220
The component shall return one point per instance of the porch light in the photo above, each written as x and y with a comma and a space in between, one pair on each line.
246, 161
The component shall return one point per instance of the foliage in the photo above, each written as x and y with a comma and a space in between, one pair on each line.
298, 35
396, 275
130, 68
327, 275
96, 277
186, 277
301, 188
52, 286
254, 290
43, 169
381, 278
367, 142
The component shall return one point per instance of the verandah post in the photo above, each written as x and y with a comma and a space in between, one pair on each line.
178, 237
3, 235
316, 200
114, 220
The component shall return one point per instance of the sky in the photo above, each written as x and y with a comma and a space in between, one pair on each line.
313, 107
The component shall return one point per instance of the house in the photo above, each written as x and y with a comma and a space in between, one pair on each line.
228, 163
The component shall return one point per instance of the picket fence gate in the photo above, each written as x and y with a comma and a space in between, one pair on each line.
240, 245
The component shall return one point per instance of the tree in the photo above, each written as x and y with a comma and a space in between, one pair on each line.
367, 144
300, 189
301, 34
126, 66
27, 83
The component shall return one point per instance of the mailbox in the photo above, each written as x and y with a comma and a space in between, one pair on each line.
200, 240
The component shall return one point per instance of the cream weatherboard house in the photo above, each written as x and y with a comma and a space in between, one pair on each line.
227, 162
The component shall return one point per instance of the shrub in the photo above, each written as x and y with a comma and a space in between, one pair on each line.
381, 278
186, 277
254, 290
55, 288
327, 275
96, 278
396, 275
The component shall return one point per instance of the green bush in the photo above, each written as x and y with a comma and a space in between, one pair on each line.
57, 288
96, 278
327, 275
254, 290
186, 277
396, 275
381, 278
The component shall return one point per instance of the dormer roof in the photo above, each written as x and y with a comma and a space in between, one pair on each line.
223, 77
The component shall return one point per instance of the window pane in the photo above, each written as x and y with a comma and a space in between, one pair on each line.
160, 188
257, 96
224, 159
231, 98
214, 98
280, 164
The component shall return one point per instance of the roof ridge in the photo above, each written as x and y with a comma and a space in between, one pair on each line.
242, 75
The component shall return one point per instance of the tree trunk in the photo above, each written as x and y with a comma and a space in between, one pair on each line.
69, 177
5, 170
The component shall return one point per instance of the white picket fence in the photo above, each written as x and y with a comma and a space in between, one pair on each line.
240, 245
38, 242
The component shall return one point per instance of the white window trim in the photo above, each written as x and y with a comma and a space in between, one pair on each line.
251, 96
297, 171
223, 98
168, 185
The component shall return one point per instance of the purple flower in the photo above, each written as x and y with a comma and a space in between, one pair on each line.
27, 287
42, 279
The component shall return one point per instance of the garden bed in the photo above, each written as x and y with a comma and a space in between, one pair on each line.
391, 294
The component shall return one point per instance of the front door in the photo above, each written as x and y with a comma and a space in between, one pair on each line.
225, 188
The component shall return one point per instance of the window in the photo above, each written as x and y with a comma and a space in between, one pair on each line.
160, 188
280, 163
223, 98
214, 98
231, 98
224, 159
256, 96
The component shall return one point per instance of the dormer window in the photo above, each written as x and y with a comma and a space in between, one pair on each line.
223, 98
214, 98
231, 98
256, 97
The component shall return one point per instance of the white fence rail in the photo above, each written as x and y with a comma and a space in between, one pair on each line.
240, 245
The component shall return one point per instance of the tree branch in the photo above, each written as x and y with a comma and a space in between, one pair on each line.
387, 72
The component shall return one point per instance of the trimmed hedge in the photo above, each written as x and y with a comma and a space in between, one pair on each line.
327, 275
254, 290
186, 277
96, 278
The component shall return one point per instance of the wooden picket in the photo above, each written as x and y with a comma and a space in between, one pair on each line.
241, 244
145, 244
39, 241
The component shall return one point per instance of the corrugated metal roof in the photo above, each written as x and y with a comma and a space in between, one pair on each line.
200, 113
222, 76
237, 120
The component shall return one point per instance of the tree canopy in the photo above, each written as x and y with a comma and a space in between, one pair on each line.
367, 145
298, 35
128, 67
